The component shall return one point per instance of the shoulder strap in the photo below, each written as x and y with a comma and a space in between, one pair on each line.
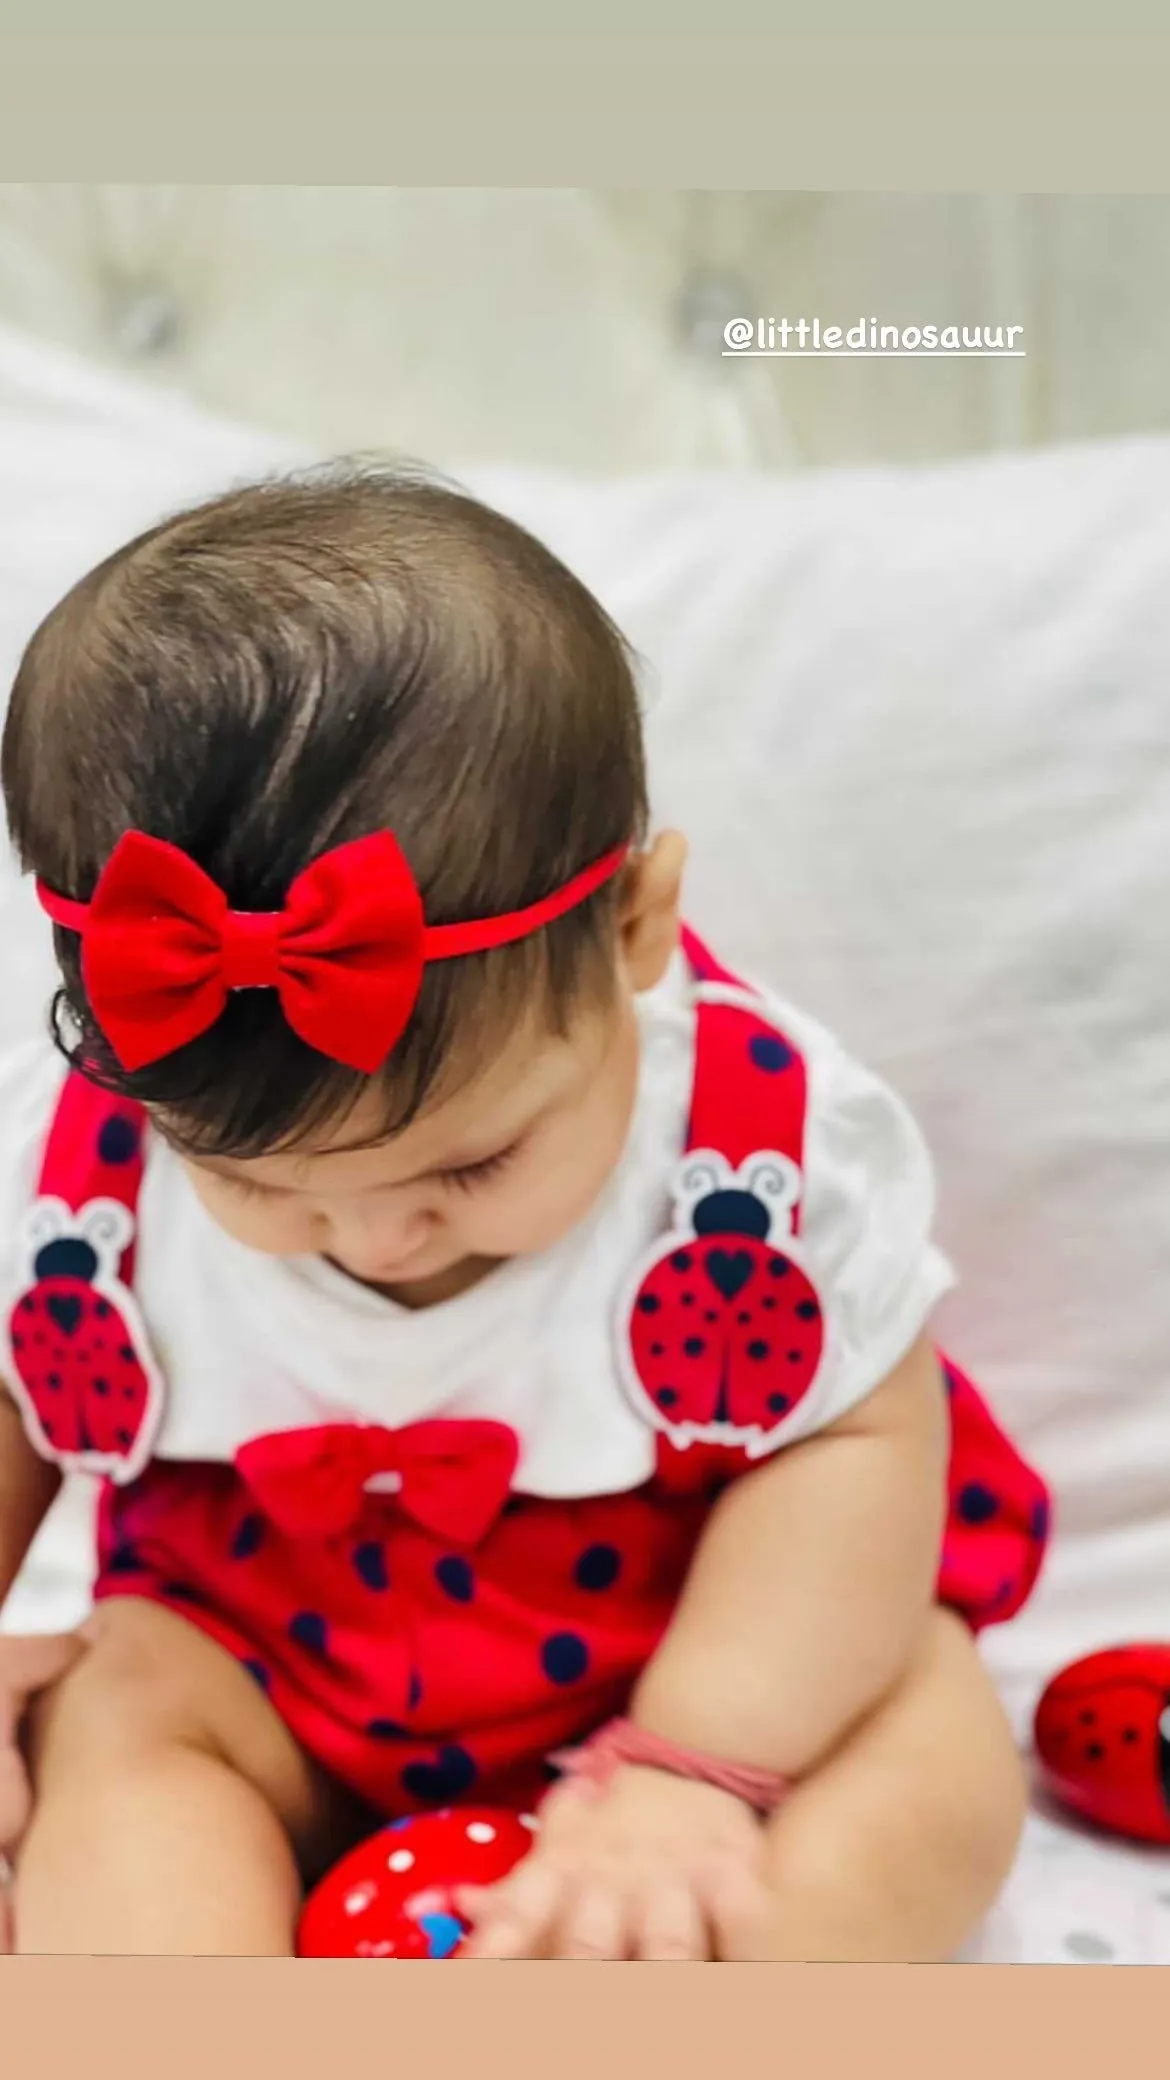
95, 1149
750, 1088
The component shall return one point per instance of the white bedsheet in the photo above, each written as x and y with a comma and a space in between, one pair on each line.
918, 728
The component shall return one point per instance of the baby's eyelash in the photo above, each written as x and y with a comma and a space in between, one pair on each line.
246, 1188
470, 1175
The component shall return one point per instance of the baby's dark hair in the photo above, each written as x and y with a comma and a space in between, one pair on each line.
305, 660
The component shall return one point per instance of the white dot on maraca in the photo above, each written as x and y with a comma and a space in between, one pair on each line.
359, 1899
402, 1860
479, 1831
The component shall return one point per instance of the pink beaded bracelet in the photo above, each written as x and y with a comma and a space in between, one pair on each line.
621, 1741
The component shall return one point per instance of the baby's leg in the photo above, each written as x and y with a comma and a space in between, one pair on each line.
172, 1806
895, 1848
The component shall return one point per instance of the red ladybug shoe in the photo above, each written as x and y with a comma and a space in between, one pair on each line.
1103, 1738
392, 1895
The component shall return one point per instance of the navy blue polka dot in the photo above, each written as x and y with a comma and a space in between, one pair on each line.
102, 1310
309, 1629
794, 1357
666, 1397
769, 1052
118, 1141
249, 1536
807, 1310
101, 1388
451, 1774
370, 1564
258, 1673
778, 1267
682, 1260
1041, 1518
977, 1504
123, 1560
694, 1346
598, 1567
758, 1349
125, 1439
777, 1403
564, 1657
657, 1349
456, 1577
387, 1730
54, 1379
182, 1592
648, 1303
125, 1353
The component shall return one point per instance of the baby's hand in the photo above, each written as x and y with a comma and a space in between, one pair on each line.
653, 1866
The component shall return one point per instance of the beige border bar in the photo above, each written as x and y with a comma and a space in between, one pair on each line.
893, 112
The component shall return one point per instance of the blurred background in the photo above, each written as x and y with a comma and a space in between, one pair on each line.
582, 327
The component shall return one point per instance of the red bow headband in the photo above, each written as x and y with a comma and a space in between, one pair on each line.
160, 948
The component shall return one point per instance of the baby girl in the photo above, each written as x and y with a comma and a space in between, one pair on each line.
501, 1332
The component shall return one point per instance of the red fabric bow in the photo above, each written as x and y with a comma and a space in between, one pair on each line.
455, 1476
161, 950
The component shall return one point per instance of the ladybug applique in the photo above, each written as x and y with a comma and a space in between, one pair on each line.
89, 1390
722, 1330
1103, 1738
393, 1896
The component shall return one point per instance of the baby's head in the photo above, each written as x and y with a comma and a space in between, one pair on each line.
309, 661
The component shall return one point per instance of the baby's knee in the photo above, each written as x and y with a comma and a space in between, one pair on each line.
132, 1691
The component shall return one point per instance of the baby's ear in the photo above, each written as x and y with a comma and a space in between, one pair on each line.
650, 918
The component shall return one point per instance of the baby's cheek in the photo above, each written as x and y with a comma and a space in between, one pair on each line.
276, 1231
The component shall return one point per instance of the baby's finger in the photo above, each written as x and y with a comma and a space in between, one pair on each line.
514, 1918
739, 1905
670, 1927
7, 1927
15, 1796
594, 1925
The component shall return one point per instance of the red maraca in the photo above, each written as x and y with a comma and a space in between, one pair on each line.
1103, 1738
392, 1896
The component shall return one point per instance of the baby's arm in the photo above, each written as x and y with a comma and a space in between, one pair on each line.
806, 1602
808, 1593
28, 1484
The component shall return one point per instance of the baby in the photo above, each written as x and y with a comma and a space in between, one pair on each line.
502, 1333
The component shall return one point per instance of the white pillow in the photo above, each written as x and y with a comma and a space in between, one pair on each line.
917, 727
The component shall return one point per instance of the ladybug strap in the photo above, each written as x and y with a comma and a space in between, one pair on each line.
95, 1150
750, 1084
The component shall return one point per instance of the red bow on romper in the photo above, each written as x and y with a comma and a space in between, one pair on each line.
453, 1477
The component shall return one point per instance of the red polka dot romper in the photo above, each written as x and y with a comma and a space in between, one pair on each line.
428, 1631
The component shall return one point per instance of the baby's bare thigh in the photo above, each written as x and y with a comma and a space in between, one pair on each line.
151, 1680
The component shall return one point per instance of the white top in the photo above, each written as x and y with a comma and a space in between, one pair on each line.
250, 1343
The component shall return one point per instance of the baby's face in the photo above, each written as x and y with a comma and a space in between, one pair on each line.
508, 1165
